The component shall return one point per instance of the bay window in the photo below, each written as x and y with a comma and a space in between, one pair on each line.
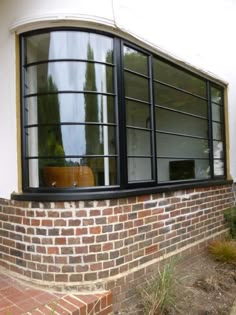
99, 113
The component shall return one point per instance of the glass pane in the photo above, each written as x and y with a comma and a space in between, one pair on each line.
139, 169
70, 107
69, 45
135, 60
136, 87
69, 76
216, 95
137, 114
180, 146
217, 112
167, 120
138, 142
79, 172
172, 169
217, 131
71, 140
180, 101
219, 167
218, 149
174, 76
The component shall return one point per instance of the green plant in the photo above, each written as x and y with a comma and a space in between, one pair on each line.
230, 217
157, 293
223, 250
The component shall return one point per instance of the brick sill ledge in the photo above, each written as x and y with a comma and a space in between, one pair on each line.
64, 195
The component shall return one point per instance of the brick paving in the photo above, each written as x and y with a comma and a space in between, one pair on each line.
18, 298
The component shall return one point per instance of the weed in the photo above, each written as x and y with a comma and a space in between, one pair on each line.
223, 250
230, 217
157, 293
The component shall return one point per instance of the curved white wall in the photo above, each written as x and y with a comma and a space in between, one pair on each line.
200, 32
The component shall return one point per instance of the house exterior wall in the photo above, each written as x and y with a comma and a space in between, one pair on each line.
105, 244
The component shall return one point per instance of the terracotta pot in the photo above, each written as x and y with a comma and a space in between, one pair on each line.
68, 176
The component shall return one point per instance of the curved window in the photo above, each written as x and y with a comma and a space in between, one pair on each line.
100, 113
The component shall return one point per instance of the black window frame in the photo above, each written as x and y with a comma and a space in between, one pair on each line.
123, 187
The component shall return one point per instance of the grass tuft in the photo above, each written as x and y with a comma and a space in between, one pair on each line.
223, 250
230, 217
157, 293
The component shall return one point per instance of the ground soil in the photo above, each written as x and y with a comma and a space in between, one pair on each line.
203, 287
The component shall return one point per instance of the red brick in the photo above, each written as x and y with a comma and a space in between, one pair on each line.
67, 232
53, 250
151, 249
60, 241
81, 231
79, 304
46, 222
138, 222
95, 230
143, 198
95, 213
60, 222
96, 267
145, 213
107, 211
35, 222
112, 219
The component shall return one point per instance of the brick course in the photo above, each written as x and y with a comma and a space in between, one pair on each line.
87, 244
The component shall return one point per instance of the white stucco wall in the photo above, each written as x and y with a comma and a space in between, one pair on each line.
200, 32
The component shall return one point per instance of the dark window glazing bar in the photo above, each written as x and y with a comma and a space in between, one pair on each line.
136, 73
67, 60
128, 98
69, 92
179, 89
181, 158
70, 156
70, 124
180, 112
181, 135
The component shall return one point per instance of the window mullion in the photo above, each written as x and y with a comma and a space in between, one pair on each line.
24, 148
210, 134
120, 108
153, 122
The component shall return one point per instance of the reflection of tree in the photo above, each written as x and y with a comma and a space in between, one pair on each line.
92, 137
179, 78
49, 138
136, 61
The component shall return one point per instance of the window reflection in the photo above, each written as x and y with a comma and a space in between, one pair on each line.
171, 98
172, 75
216, 95
136, 87
139, 169
72, 108
182, 169
72, 140
86, 103
70, 115
137, 114
135, 60
180, 146
69, 76
68, 45
167, 120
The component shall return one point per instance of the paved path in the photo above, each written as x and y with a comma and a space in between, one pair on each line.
18, 298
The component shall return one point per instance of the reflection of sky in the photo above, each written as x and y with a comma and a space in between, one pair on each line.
71, 76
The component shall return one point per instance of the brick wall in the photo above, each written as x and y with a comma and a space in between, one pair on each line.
106, 244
